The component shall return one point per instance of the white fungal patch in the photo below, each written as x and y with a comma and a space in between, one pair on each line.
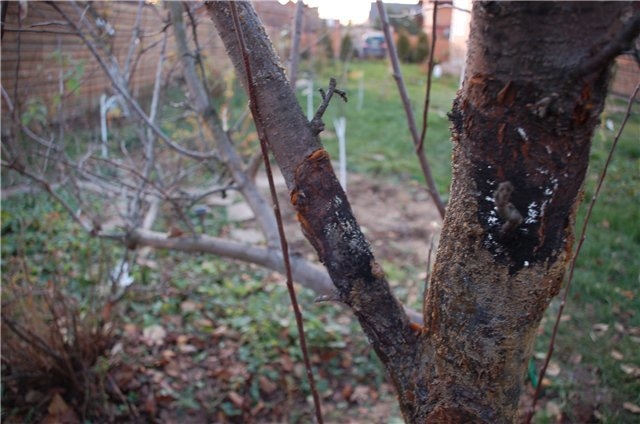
542, 170
532, 213
522, 133
550, 190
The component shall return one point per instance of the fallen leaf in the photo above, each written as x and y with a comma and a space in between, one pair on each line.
236, 399
361, 394
187, 348
149, 405
266, 385
575, 358
172, 369
628, 294
553, 409
546, 382
598, 330
57, 406
154, 335
617, 355
619, 327
631, 370
168, 354
123, 375
189, 306
174, 232
553, 369
631, 407
347, 391
60, 413
117, 349
204, 323
286, 362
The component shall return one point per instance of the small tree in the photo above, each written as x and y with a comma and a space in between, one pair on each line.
346, 48
421, 52
328, 48
405, 53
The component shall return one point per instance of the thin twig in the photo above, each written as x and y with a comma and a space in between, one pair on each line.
198, 55
316, 123
283, 240
397, 75
295, 44
572, 265
149, 141
427, 97
135, 33
32, 339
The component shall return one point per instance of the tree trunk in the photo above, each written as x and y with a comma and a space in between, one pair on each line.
522, 121
535, 85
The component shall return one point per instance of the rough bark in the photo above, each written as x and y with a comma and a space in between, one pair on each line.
523, 116
522, 125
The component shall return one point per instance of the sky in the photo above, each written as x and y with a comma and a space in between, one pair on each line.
356, 11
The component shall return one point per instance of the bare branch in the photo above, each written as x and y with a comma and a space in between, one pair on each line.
427, 96
612, 48
133, 44
295, 44
397, 75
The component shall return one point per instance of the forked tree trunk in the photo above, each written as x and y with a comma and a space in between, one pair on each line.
535, 84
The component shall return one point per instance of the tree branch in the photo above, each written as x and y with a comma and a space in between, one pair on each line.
323, 209
309, 275
611, 49
210, 123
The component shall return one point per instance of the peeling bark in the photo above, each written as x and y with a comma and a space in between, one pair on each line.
521, 126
